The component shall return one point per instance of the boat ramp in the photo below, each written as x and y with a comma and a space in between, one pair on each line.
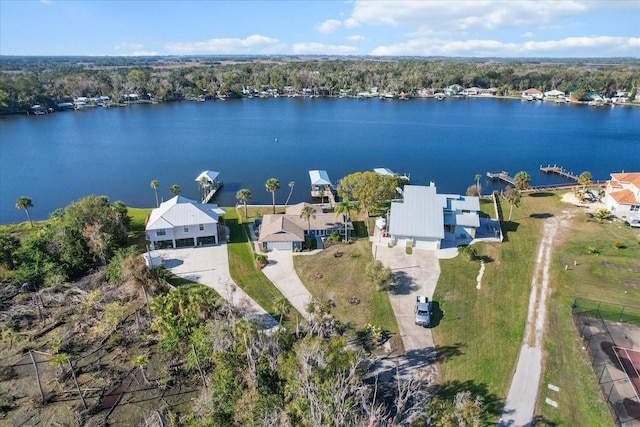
209, 183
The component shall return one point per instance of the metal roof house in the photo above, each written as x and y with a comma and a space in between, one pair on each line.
181, 222
424, 218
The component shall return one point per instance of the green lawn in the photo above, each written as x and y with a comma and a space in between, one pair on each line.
481, 331
338, 274
242, 266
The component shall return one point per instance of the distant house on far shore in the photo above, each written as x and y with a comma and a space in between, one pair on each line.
532, 93
622, 194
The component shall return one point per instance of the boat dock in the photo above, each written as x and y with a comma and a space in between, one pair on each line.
208, 183
502, 176
558, 170
321, 186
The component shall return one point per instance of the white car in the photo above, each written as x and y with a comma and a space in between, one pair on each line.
424, 310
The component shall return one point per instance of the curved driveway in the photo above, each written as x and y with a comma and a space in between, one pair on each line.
209, 265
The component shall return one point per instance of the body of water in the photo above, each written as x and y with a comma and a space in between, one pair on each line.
62, 157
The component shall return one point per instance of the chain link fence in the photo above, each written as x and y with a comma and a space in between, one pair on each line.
602, 327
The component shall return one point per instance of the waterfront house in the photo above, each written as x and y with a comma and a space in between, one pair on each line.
532, 94
622, 194
180, 222
288, 231
424, 218
553, 94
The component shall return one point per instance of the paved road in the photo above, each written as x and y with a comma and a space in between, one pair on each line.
209, 265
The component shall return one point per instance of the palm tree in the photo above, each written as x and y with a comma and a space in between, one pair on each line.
243, 196
513, 196
345, 207
281, 307
175, 189
291, 184
154, 184
307, 213
204, 183
585, 179
521, 180
272, 185
478, 177
25, 203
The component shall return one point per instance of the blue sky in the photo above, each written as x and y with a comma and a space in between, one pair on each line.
559, 28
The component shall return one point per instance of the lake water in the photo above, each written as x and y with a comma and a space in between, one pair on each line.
61, 157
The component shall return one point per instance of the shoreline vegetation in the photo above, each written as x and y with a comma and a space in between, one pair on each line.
60, 83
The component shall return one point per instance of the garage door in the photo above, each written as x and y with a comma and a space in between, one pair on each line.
279, 246
427, 244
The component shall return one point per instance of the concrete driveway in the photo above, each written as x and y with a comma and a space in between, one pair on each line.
209, 265
282, 274
413, 275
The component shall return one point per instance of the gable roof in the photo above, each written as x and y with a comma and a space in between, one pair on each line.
319, 177
420, 215
297, 209
625, 197
630, 177
278, 228
180, 211
210, 175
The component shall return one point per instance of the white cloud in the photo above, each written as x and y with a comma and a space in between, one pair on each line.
357, 38
351, 23
570, 46
252, 44
323, 49
528, 34
128, 46
329, 26
464, 15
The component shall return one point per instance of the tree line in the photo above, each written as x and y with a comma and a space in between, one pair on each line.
48, 81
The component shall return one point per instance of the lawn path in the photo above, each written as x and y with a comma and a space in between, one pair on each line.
521, 399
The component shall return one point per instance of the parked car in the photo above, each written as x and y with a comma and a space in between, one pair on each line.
633, 222
424, 310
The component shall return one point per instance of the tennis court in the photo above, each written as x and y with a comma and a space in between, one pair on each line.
630, 362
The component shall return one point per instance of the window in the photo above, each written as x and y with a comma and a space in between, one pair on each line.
635, 208
201, 226
161, 232
449, 228
186, 228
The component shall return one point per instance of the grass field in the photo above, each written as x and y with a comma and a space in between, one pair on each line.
339, 278
481, 331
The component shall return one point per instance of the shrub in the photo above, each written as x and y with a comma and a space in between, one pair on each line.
603, 214
592, 250
408, 250
618, 244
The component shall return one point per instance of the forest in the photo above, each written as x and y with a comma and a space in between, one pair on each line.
47, 81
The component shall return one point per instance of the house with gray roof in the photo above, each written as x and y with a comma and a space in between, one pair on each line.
424, 218
288, 231
180, 222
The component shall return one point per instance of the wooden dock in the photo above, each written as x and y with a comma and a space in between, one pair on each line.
558, 170
212, 192
502, 176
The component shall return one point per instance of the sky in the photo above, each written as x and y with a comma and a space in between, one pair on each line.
453, 28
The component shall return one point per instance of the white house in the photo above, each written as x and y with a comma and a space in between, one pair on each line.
532, 93
622, 194
424, 217
554, 94
181, 222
